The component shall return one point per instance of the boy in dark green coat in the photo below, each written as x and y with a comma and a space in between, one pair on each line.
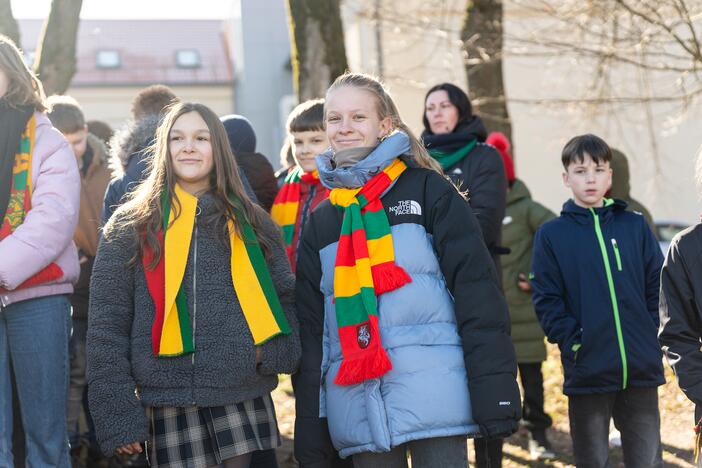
522, 217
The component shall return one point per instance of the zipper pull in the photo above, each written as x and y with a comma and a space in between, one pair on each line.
616, 254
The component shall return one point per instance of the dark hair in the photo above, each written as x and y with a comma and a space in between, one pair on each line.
588, 144
100, 129
307, 117
152, 100
457, 97
65, 114
23, 88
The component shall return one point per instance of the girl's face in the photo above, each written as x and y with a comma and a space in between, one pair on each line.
352, 119
440, 112
191, 152
4, 83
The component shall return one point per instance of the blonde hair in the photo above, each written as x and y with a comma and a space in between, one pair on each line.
386, 108
24, 87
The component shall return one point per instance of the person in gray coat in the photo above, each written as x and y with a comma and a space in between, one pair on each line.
189, 328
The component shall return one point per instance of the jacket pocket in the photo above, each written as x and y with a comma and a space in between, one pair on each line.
617, 256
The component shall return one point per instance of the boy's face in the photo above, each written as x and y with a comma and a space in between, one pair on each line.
307, 145
78, 141
588, 181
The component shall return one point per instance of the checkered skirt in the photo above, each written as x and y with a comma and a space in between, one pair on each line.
195, 437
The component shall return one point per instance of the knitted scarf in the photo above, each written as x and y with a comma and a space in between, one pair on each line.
364, 268
447, 160
287, 203
171, 332
20, 201
450, 148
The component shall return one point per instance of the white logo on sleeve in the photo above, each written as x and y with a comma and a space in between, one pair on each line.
507, 220
406, 207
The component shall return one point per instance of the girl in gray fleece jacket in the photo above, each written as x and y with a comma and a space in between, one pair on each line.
189, 327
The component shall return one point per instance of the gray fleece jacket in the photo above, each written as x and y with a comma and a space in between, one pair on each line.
123, 374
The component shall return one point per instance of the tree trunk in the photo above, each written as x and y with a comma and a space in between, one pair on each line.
482, 42
8, 25
56, 54
317, 41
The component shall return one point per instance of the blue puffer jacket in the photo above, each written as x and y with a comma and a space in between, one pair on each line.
446, 333
426, 393
595, 277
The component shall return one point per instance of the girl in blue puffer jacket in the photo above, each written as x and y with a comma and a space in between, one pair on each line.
404, 330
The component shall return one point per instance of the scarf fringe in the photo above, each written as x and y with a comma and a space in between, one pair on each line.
388, 277
367, 366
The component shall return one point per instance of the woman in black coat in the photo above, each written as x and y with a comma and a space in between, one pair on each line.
455, 137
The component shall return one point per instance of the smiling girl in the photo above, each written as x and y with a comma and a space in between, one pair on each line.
192, 316
404, 330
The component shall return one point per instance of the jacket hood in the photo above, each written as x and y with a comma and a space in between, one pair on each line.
475, 128
100, 155
518, 192
620, 176
462, 134
131, 139
584, 216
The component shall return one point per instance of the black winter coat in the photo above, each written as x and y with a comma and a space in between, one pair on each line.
482, 174
480, 308
681, 312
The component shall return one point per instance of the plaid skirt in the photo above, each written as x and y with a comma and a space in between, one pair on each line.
194, 437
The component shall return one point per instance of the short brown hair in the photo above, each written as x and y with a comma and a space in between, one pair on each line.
152, 101
307, 117
24, 87
65, 114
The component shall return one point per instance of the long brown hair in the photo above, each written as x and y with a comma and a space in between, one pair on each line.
386, 108
142, 214
24, 87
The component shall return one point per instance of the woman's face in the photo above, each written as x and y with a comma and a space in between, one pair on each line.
352, 119
191, 152
440, 112
4, 83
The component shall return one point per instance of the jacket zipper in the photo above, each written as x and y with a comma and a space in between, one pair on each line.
613, 297
616, 254
192, 357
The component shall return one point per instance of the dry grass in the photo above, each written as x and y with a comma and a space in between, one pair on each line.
676, 423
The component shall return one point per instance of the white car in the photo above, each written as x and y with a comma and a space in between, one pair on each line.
666, 230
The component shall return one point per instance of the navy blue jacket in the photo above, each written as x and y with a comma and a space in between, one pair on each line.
595, 277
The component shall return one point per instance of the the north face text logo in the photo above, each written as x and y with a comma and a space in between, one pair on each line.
406, 207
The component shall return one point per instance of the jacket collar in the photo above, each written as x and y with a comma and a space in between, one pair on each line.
357, 175
585, 215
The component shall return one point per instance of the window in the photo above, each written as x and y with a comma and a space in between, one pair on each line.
188, 58
108, 59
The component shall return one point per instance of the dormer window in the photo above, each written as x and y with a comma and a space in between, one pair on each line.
108, 59
188, 58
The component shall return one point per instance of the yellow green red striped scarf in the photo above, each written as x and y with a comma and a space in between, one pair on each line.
171, 332
21, 202
287, 204
364, 268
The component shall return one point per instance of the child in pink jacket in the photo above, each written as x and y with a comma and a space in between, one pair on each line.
39, 201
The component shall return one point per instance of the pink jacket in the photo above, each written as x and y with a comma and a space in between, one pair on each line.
46, 235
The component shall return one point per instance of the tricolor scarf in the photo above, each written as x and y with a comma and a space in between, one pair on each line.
20, 201
287, 204
171, 332
364, 268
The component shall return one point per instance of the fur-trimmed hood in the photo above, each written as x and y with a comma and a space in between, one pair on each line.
132, 138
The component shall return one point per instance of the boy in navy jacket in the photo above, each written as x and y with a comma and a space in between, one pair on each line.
595, 277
